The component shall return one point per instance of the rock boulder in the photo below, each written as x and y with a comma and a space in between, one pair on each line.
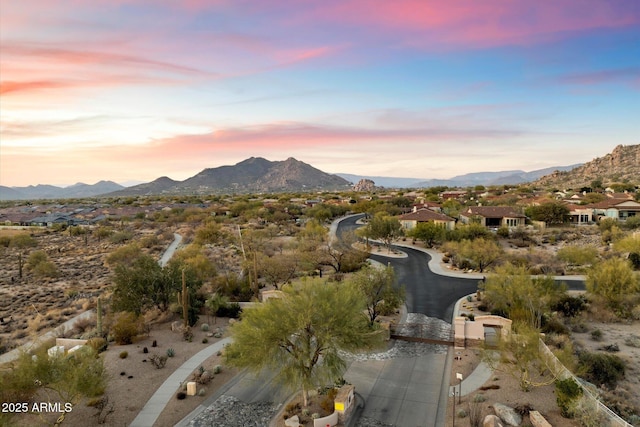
491, 421
507, 414
537, 420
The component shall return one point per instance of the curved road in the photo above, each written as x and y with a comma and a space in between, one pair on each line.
413, 391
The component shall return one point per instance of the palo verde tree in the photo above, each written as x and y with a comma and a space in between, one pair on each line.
60, 378
428, 232
615, 281
377, 286
300, 335
383, 227
517, 295
520, 357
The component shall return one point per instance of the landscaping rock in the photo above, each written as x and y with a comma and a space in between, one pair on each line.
537, 420
491, 421
507, 414
292, 422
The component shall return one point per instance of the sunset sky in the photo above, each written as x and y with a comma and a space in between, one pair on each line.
136, 89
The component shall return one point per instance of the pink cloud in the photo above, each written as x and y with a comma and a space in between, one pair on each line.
623, 75
445, 23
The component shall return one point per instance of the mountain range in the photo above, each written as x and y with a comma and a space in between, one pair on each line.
258, 175
466, 180
40, 191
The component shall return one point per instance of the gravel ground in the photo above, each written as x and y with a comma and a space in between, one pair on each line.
227, 411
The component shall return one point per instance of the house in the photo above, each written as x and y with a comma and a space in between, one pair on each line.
410, 220
579, 215
427, 205
493, 216
615, 208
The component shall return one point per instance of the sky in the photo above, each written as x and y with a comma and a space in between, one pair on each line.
131, 90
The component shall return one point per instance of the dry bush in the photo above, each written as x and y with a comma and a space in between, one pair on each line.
84, 324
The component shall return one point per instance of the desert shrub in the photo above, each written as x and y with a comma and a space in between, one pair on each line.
632, 223
205, 340
231, 311
479, 398
601, 368
204, 327
567, 393
570, 306
158, 361
503, 232
120, 237
171, 352
633, 341
126, 327
217, 369
98, 344
123, 354
553, 325
596, 335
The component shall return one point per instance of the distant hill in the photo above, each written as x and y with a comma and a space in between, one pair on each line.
466, 180
254, 175
383, 181
40, 191
622, 165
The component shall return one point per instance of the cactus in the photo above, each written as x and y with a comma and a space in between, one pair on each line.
183, 300
171, 352
99, 317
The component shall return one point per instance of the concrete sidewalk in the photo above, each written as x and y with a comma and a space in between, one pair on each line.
156, 404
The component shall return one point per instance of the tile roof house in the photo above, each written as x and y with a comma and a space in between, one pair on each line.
411, 219
493, 216
615, 208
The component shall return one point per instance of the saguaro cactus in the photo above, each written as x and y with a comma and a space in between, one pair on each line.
99, 317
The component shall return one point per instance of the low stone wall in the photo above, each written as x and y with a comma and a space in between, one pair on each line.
68, 343
329, 420
471, 332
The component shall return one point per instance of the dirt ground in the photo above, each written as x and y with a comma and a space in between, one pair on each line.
133, 380
543, 399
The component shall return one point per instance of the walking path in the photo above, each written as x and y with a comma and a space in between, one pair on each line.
156, 404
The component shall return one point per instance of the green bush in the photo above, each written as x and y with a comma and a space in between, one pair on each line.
596, 335
232, 311
567, 393
126, 327
601, 368
124, 354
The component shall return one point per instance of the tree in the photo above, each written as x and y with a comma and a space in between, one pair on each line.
278, 269
215, 302
578, 255
377, 286
53, 379
549, 212
520, 357
300, 335
517, 295
341, 255
428, 232
614, 281
384, 227
481, 253
145, 284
